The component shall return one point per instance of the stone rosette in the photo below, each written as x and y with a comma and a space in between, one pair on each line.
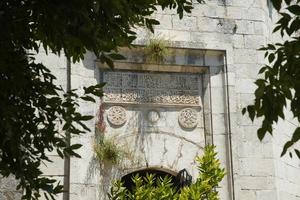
117, 115
153, 116
188, 118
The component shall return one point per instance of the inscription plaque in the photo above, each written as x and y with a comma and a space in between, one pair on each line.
152, 88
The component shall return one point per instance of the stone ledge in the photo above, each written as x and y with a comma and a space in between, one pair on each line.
152, 67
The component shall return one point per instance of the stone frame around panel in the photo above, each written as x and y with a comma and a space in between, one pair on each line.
208, 113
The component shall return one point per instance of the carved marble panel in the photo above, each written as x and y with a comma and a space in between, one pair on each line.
116, 115
188, 118
152, 88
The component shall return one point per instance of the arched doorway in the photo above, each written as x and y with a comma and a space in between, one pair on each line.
180, 179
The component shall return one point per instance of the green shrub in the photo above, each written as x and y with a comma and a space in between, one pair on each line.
156, 50
149, 187
107, 150
210, 175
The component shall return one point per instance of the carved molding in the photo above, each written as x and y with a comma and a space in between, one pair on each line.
188, 118
116, 115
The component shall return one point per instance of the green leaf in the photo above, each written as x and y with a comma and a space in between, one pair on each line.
263, 69
88, 98
72, 153
251, 112
116, 56
277, 4
75, 146
86, 117
285, 147
295, 9
297, 153
288, 2
277, 28
296, 135
271, 57
261, 133
244, 111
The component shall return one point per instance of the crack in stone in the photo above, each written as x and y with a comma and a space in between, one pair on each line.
165, 151
179, 155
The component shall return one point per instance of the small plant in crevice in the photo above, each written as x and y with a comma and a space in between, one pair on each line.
156, 50
107, 150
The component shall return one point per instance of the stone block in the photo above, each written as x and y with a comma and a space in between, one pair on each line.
249, 71
231, 79
246, 195
53, 168
219, 126
245, 86
257, 166
225, 2
216, 79
254, 41
83, 192
260, 28
232, 104
267, 195
165, 21
207, 24
250, 149
238, 41
175, 35
285, 195
234, 12
245, 27
185, 24
256, 183
244, 3
227, 26
218, 100
10, 195
208, 10
245, 56
253, 14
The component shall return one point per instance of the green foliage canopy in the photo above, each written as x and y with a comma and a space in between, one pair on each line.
280, 84
32, 109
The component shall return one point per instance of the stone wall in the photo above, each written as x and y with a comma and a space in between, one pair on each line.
8, 189
227, 32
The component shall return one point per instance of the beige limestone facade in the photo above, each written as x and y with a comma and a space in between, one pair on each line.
165, 114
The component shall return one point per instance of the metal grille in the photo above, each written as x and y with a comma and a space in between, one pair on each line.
183, 179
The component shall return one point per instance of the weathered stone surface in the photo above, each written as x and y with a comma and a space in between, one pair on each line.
228, 32
152, 89
8, 189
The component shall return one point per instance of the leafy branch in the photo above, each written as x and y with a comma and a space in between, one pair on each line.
279, 87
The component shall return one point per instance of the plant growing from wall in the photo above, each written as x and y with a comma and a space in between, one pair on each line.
149, 187
107, 150
156, 50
